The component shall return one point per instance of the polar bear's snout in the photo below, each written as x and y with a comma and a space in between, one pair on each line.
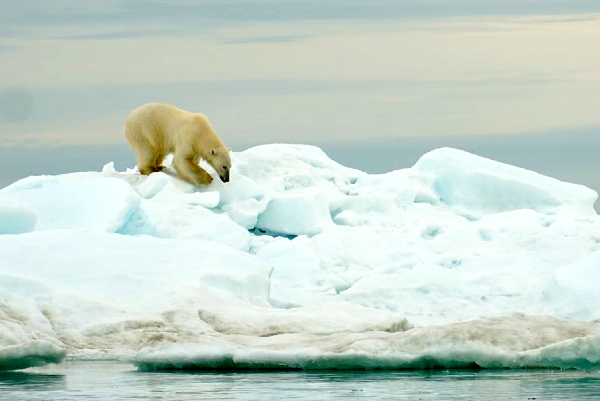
224, 171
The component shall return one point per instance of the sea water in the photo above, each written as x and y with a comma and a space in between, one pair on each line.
120, 381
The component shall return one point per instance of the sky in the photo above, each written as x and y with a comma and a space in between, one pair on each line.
374, 83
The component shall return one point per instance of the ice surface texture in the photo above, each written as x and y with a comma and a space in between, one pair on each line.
29, 354
15, 218
299, 262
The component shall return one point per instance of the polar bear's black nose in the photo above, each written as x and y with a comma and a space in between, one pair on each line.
224, 178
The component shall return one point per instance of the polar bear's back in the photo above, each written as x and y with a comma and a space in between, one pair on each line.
158, 115
158, 123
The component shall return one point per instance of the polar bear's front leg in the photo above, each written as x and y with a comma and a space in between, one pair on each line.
188, 170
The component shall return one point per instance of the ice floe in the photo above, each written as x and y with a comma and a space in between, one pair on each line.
300, 262
30, 354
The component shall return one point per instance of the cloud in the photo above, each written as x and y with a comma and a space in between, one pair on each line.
341, 79
7, 48
193, 16
345, 51
264, 39
111, 35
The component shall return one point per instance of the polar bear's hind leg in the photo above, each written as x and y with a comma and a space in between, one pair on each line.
146, 156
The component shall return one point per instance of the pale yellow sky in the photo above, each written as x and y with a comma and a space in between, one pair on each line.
387, 78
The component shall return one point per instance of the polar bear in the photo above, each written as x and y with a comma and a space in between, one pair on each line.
155, 130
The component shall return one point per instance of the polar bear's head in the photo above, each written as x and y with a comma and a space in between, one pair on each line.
219, 159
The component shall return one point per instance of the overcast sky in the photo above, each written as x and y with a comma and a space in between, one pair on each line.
375, 83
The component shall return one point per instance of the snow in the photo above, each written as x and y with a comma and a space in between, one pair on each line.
299, 262
76, 201
295, 214
478, 186
15, 218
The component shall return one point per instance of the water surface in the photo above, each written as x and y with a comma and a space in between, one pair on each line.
119, 381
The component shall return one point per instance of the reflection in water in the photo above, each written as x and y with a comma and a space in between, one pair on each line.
118, 381
31, 381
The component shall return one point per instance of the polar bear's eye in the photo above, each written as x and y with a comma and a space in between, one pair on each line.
224, 167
